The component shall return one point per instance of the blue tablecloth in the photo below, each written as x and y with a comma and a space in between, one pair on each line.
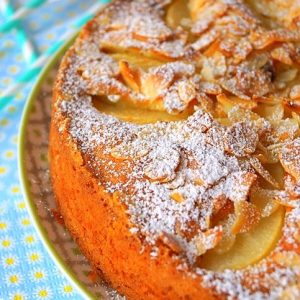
26, 270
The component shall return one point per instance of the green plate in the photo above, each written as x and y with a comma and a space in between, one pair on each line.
35, 181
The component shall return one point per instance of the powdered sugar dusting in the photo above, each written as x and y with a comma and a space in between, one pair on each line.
174, 176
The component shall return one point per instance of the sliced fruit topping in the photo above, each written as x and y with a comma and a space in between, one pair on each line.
228, 103
178, 14
124, 110
249, 247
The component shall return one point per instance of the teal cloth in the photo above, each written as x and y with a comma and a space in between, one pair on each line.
26, 269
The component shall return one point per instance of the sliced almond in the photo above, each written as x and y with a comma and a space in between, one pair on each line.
162, 165
152, 86
205, 40
177, 196
228, 238
241, 114
293, 105
208, 240
286, 201
172, 242
288, 259
286, 129
119, 154
256, 164
131, 75
156, 81
280, 54
265, 201
198, 181
210, 88
290, 158
295, 92
262, 39
247, 215
241, 139
186, 90
273, 113
292, 187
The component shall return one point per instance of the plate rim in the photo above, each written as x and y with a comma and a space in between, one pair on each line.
24, 181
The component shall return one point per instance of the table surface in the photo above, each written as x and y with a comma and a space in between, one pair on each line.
26, 269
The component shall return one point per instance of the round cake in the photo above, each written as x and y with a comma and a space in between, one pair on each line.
175, 147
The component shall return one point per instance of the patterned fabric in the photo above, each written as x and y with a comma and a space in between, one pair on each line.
26, 270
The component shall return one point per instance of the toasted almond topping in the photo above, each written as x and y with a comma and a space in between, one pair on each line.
206, 15
186, 90
176, 196
292, 187
282, 55
241, 139
116, 153
256, 164
290, 158
287, 259
204, 41
295, 92
208, 240
132, 76
162, 165
287, 129
293, 105
172, 242
246, 216
263, 39
210, 88
198, 181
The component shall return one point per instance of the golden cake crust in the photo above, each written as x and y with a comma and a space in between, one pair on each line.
112, 178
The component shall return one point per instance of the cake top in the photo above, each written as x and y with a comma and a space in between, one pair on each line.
231, 66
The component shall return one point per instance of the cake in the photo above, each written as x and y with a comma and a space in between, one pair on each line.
175, 148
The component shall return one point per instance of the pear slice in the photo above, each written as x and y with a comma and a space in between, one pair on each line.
249, 247
129, 112
195, 7
177, 14
229, 102
137, 60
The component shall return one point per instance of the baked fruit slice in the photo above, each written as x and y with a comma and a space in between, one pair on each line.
175, 148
